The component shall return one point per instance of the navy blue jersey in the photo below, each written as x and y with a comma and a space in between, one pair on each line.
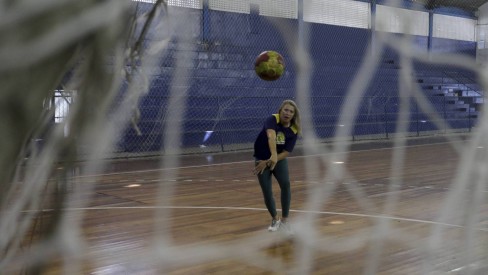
286, 137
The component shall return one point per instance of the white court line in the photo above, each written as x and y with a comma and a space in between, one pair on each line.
412, 187
260, 209
246, 161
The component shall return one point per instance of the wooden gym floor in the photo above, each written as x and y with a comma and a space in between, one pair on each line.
215, 202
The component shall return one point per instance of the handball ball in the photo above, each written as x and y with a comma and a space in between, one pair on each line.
269, 65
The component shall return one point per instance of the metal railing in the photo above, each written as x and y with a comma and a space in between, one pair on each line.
224, 123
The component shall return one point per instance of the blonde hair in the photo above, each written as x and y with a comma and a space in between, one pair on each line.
295, 121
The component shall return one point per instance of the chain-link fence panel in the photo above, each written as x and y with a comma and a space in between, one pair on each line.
226, 103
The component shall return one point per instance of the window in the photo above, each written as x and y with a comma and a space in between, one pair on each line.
62, 101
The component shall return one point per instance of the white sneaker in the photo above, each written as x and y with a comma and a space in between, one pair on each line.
286, 228
275, 225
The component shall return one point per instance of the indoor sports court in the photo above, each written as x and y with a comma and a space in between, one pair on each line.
142, 137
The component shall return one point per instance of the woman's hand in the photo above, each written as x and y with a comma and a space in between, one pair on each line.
272, 161
260, 167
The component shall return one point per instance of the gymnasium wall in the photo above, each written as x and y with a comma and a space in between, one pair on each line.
227, 102
482, 35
